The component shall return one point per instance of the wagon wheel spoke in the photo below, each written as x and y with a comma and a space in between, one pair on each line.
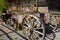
39, 32
26, 20
26, 23
39, 27
32, 21
52, 26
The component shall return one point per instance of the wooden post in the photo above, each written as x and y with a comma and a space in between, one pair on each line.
16, 6
37, 5
7, 6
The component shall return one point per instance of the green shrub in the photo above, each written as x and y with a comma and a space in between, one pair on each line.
3, 6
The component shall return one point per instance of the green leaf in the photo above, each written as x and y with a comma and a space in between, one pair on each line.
3, 6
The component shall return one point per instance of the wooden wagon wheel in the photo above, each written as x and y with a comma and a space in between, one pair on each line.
11, 23
53, 22
33, 28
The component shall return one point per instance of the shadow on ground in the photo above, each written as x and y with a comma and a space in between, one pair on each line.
50, 36
11, 32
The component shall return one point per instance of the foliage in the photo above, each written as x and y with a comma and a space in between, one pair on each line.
3, 6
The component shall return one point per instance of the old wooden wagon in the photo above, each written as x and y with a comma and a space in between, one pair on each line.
31, 19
